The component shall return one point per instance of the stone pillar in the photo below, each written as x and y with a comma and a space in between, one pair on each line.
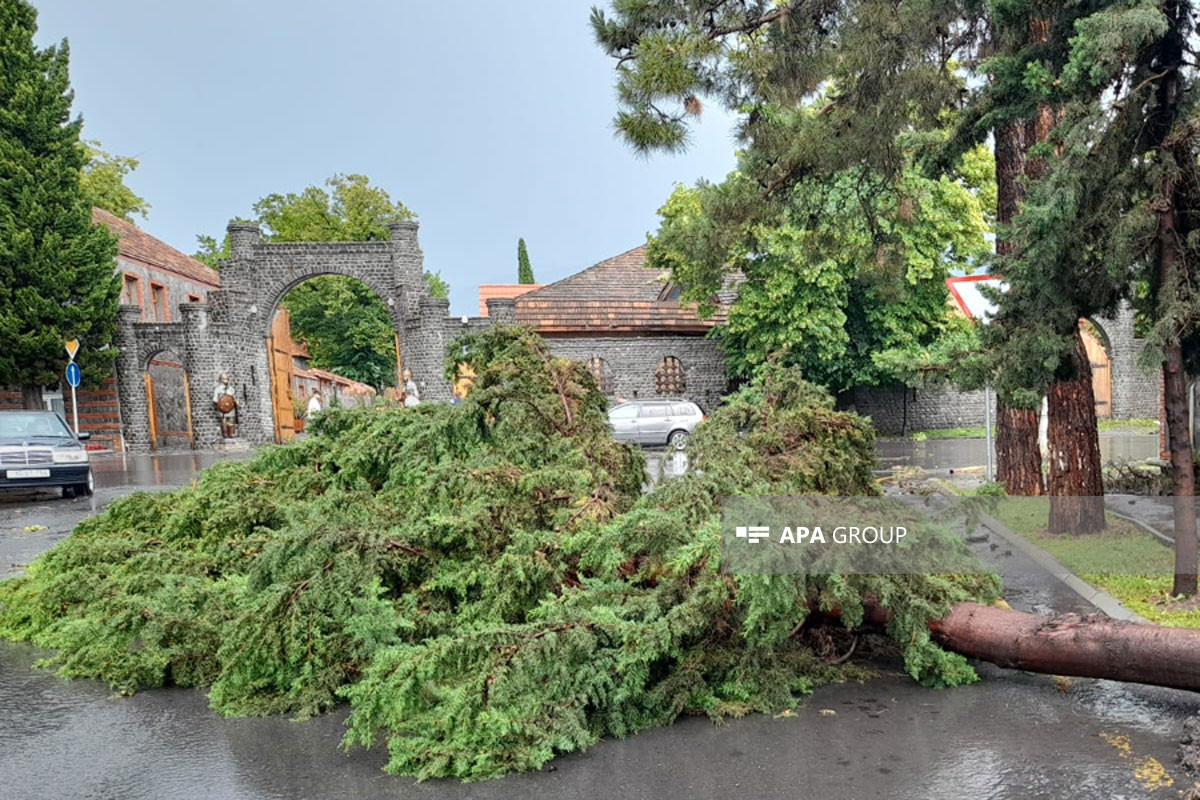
408, 266
131, 385
243, 236
199, 360
502, 310
423, 347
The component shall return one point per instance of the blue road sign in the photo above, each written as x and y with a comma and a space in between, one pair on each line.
73, 375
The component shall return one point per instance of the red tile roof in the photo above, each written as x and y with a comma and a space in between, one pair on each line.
494, 291
618, 295
137, 245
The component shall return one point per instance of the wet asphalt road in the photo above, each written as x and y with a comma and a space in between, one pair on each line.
1012, 735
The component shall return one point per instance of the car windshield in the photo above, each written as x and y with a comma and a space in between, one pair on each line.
32, 423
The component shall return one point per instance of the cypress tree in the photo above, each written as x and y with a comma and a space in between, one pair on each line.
524, 270
57, 280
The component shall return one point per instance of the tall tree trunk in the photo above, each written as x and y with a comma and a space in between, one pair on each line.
1183, 470
1075, 482
31, 398
1174, 288
1018, 459
1175, 401
1076, 486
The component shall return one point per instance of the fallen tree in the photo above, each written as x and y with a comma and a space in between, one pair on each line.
483, 583
1092, 646
1082, 646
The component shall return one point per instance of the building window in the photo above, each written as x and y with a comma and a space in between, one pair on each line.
669, 377
603, 374
131, 291
158, 303
194, 298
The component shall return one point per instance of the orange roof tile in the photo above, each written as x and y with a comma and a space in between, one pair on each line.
618, 295
138, 245
495, 291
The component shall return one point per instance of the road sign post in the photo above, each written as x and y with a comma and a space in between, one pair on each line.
74, 378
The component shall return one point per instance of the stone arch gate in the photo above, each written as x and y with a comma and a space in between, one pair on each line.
230, 332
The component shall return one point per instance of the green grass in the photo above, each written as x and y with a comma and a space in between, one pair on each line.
949, 433
1136, 426
1144, 426
1104, 559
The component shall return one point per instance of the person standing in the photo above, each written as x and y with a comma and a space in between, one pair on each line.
315, 404
411, 395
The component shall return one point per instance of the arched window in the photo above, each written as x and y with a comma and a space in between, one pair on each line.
669, 378
603, 374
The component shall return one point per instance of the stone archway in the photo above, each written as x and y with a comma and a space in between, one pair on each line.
230, 333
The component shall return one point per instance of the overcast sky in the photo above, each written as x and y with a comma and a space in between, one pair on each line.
491, 120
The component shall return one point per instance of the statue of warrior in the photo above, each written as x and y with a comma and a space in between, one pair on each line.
225, 402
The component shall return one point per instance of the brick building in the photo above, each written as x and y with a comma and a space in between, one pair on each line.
155, 279
627, 323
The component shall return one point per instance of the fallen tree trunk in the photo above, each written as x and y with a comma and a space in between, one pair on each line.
1093, 646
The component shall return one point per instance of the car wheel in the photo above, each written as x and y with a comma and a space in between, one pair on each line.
678, 439
81, 489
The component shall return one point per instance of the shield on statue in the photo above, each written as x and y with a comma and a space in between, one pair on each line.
226, 404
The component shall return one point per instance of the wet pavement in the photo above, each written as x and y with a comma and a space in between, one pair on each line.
939, 455
32, 521
1013, 735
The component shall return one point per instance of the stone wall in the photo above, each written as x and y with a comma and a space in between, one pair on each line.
933, 409
1135, 389
634, 360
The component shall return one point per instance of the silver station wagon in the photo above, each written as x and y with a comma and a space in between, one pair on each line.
655, 422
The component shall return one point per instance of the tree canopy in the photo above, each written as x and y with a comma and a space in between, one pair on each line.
816, 286
103, 182
345, 325
57, 280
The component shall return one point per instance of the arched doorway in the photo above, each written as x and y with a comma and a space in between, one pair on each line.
168, 402
332, 342
1094, 341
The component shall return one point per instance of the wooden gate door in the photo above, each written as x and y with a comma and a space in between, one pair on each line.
279, 356
1101, 373
169, 399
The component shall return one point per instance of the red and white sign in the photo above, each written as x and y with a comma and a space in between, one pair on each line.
968, 298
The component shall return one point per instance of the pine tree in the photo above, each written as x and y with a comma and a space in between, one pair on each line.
57, 280
826, 87
1117, 210
524, 270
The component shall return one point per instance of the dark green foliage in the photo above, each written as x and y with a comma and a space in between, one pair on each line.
56, 269
482, 582
524, 270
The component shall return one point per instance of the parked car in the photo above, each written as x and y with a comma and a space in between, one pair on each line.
38, 449
655, 422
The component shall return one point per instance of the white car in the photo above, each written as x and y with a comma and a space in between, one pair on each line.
38, 450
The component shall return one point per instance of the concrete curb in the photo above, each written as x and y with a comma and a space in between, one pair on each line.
1097, 597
